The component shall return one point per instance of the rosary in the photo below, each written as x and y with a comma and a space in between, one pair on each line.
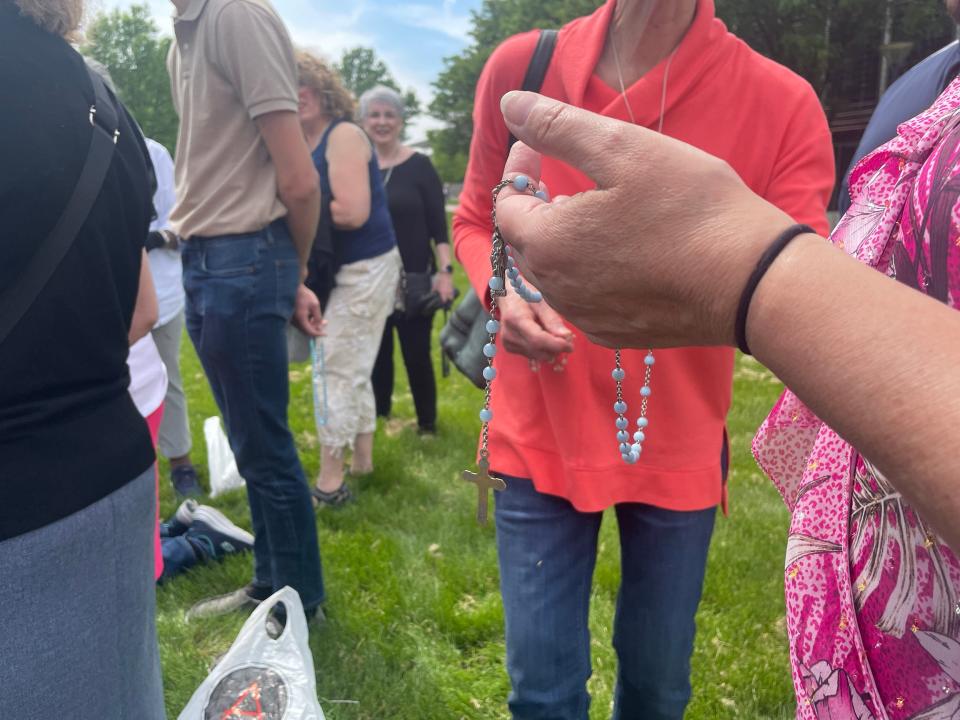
504, 266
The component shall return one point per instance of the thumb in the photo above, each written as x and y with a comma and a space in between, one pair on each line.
580, 138
551, 321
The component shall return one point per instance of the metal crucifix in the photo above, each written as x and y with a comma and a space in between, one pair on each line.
484, 482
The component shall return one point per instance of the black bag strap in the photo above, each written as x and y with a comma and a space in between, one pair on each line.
104, 116
537, 69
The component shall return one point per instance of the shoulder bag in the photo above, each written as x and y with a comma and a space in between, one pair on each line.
23, 292
464, 334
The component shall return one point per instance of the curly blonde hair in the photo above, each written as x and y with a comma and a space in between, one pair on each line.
59, 17
316, 75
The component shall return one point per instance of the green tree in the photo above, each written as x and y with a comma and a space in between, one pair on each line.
834, 44
128, 43
495, 21
361, 69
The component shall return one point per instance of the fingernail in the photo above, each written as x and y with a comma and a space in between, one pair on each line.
516, 106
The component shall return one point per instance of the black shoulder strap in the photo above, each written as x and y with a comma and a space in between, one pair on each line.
18, 298
537, 69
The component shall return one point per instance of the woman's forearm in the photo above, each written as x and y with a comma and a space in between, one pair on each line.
873, 359
443, 256
146, 310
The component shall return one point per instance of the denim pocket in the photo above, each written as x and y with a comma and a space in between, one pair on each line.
231, 256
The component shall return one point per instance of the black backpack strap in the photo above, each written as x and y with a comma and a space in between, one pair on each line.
18, 298
537, 69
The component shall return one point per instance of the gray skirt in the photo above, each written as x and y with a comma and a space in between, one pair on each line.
77, 602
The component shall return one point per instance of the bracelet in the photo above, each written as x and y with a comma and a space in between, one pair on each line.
763, 264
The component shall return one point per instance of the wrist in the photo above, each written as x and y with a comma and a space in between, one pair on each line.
782, 290
764, 263
743, 243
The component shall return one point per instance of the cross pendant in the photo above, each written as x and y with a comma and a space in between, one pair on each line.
484, 483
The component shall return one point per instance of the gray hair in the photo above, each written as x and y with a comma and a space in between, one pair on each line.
381, 93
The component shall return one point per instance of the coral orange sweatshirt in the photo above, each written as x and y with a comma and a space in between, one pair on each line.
556, 425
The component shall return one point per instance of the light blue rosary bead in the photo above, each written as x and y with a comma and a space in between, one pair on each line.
642, 422
624, 449
511, 262
623, 436
639, 436
634, 456
636, 448
619, 374
496, 284
493, 327
620, 407
541, 194
489, 373
536, 296
627, 459
622, 423
513, 272
645, 391
489, 350
521, 182
649, 359
486, 415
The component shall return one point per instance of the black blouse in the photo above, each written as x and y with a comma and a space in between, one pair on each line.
416, 201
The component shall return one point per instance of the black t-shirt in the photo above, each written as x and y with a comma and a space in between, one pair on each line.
416, 202
69, 432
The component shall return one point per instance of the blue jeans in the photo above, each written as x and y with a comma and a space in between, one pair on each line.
547, 552
240, 295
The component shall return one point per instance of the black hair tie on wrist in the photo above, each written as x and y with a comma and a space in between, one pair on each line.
763, 264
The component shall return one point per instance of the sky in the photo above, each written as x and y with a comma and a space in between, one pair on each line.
411, 37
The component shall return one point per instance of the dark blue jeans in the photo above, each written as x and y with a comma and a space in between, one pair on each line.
240, 294
547, 553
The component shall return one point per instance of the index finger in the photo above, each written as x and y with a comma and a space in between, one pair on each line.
516, 211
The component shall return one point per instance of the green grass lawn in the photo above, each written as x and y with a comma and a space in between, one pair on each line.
415, 625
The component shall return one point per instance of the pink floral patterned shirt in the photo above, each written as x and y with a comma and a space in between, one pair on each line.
872, 593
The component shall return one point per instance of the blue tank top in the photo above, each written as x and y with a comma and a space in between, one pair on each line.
375, 237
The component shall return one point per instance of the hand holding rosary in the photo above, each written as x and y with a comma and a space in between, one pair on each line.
504, 267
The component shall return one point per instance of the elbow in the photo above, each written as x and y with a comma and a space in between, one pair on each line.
142, 323
348, 218
300, 189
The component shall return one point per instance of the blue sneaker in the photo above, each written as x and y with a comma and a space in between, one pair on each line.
219, 537
181, 520
185, 481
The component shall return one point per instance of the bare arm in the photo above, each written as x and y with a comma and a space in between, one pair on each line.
146, 311
675, 235
348, 158
298, 185
877, 371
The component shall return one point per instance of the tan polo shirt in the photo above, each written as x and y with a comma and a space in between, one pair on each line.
231, 62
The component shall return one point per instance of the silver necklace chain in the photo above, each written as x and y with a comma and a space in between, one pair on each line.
623, 87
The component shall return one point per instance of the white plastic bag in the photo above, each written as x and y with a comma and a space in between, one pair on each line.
262, 677
220, 461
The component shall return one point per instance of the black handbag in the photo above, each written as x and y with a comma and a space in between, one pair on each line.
464, 334
419, 297
105, 118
